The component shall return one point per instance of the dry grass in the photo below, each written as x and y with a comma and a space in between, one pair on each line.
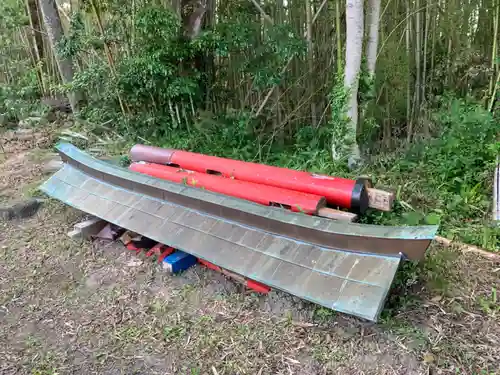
71, 307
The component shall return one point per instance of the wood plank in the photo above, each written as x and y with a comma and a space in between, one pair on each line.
334, 214
380, 199
75, 234
90, 227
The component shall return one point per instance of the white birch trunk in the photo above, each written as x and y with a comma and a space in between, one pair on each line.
373, 30
354, 46
55, 33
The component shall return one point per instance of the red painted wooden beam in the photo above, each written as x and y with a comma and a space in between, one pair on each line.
262, 194
342, 192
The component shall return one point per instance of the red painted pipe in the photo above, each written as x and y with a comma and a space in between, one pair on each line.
342, 192
266, 195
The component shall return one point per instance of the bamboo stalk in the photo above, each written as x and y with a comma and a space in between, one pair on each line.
310, 60
494, 93
408, 84
496, 192
264, 14
418, 51
428, 13
271, 90
338, 37
496, 20
107, 50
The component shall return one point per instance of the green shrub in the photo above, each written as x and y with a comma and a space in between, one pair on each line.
447, 179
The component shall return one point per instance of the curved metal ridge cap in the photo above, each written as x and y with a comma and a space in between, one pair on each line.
84, 161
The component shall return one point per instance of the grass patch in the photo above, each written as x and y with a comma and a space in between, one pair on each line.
490, 304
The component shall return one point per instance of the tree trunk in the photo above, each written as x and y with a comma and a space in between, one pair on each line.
310, 63
36, 29
428, 12
354, 44
496, 21
193, 14
373, 29
55, 33
418, 51
34, 33
338, 34
409, 120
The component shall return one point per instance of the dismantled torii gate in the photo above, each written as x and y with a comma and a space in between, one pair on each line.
340, 265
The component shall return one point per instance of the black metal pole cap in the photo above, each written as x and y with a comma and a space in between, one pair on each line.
359, 199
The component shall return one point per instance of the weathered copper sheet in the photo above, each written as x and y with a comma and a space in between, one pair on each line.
233, 237
353, 283
412, 242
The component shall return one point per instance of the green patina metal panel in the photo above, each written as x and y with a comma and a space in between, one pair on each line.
353, 283
314, 258
409, 241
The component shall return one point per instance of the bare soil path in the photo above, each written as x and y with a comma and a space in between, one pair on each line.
73, 307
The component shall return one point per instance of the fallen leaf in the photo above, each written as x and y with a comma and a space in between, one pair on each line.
429, 358
437, 298
134, 263
291, 360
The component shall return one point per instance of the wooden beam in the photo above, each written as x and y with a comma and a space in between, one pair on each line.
333, 214
90, 227
75, 234
380, 199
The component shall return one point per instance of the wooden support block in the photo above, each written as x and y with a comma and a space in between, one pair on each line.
380, 199
75, 234
90, 227
178, 262
334, 214
126, 237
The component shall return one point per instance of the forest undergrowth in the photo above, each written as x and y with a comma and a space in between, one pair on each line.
160, 88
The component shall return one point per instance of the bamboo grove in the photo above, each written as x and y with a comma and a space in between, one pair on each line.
277, 65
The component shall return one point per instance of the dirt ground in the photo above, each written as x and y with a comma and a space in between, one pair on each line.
75, 307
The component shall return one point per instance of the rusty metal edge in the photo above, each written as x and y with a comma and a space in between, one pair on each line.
411, 242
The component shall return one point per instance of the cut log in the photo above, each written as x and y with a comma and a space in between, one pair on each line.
331, 213
380, 199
